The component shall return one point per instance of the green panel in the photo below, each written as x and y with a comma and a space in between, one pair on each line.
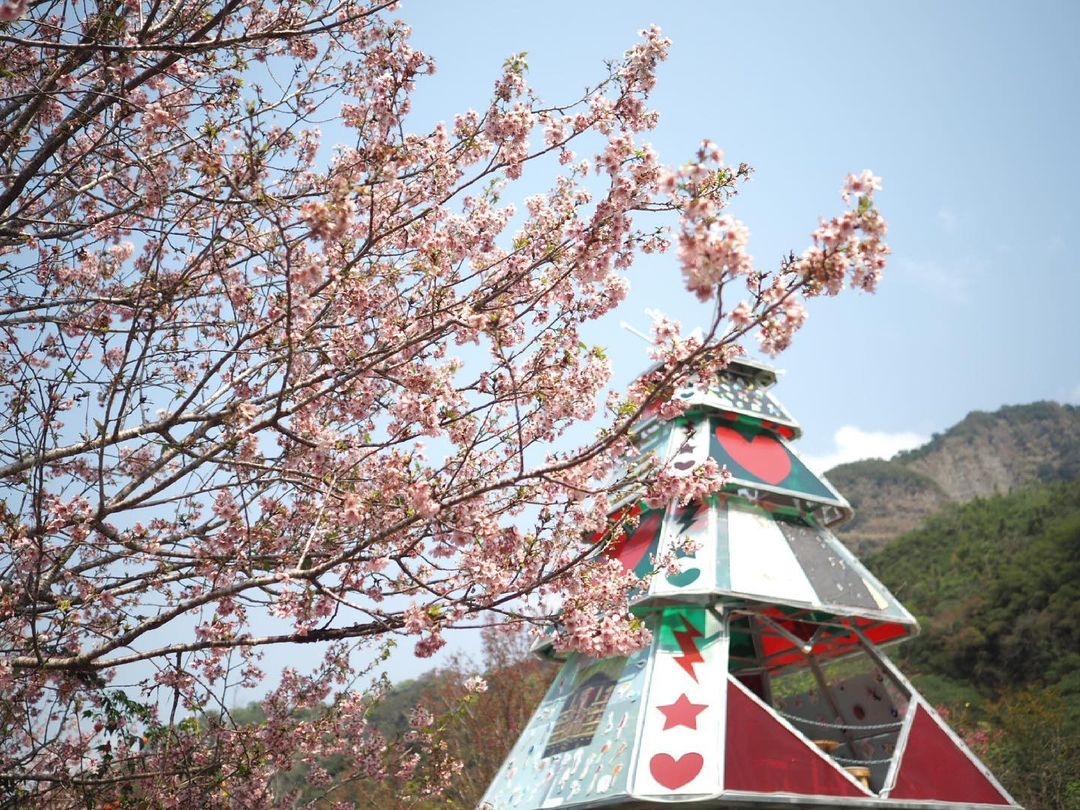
756, 456
676, 623
683, 630
741, 644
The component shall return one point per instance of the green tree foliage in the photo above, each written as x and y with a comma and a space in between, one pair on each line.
472, 728
1037, 748
1031, 741
995, 584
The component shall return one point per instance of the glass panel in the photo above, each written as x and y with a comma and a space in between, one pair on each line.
763, 756
849, 706
935, 768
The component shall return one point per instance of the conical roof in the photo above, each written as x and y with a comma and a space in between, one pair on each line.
766, 538
764, 684
746, 553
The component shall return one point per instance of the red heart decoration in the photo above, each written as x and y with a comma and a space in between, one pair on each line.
633, 545
762, 456
674, 773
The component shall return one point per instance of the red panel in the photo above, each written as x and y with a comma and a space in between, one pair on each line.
635, 545
934, 767
761, 755
771, 644
774, 646
761, 455
885, 631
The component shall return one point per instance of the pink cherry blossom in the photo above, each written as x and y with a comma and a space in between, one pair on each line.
265, 391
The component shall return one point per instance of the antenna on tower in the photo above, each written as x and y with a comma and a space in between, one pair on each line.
638, 333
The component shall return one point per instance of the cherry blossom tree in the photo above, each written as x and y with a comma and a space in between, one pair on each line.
262, 390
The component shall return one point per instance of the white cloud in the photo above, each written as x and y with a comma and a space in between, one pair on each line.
948, 283
851, 443
947, 219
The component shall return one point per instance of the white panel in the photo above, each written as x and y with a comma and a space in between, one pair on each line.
694, 574
680, 738
688, 450
762, 563
689, 446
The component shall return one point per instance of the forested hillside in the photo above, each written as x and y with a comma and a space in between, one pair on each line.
995, 584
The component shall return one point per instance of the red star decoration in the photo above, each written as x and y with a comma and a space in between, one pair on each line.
682, 713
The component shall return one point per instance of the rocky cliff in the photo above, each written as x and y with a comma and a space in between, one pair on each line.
983, 455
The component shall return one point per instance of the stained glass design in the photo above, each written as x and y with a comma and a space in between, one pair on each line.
741, 395
762, 565
650, 443
756, 457
582, 710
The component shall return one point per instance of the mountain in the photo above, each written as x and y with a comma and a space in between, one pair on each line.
995, 585
983, 455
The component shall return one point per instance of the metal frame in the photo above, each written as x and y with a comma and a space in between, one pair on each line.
842, 623
901, 746
813, 660
721, 727
646, 683
735, 799
921, 701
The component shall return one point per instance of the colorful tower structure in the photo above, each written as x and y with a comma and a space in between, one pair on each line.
764, 684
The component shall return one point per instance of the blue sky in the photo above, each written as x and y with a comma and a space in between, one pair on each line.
969, 112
